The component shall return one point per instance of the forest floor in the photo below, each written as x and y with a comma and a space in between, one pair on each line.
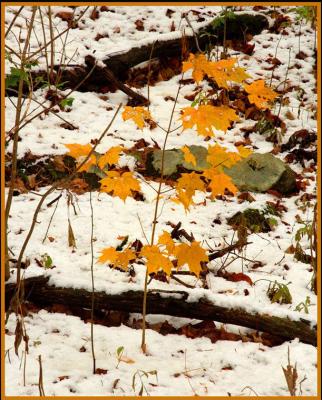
185, 357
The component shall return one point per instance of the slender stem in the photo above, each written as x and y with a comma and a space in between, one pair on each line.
52, 44
13, 21
93, 286
15, 139
56, 37
155, 218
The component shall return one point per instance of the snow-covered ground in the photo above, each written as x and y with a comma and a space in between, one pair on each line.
184, 366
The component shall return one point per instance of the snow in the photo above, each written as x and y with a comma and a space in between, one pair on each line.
191, 365
184, 366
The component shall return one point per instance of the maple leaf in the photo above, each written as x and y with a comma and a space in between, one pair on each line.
123, 259
219, 157
110, 157
207, 116
190, 183
183, 198
224, 70
244, 152
166, 240
259, 94
120, 185
219, 182
188, 156
198, 63
119, 259
80, 152
138, 114
109, 255
155, 259
192, 255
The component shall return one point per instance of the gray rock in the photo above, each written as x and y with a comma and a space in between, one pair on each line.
174, 158
261, 172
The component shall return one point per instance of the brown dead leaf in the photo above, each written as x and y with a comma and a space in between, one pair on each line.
20, 186
245, 196
59, 164
78, 186
31, 181
100, 371
139, 25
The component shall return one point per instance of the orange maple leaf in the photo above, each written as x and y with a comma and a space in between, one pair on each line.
109, 255
188, 156
110, 157
138, 114
119, 259
198, 63
80, 152
156, 259
259, 94
219, 182
190, 183
219, 157
243, 151
192, 255
224, 70
183, 198
121, 185
166, 240
124, 258
206, 116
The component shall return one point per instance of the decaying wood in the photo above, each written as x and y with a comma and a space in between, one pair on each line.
118, 64
40, 292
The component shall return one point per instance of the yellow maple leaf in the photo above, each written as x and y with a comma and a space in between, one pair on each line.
188, 156
206, 116
259, 94
190, 183
109, 255
219, 182
192, 255
121, 185
198, 63
123, 259
110, 157
119, 259
80, 152
156, 259
166, 240
183, 198
223, 71
138, 114
219, 157
243, 151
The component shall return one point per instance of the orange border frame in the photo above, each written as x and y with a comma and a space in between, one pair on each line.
68, 3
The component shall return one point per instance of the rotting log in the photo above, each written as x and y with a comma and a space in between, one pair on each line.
174, 303
240, 27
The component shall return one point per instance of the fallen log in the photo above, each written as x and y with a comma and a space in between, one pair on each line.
239, 28
174, 303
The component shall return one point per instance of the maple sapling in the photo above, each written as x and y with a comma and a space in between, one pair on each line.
163, 253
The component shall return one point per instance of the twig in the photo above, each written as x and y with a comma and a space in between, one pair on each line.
52, 216
193, 31
15, 140
56, 37
92, 279
13, 21
40, 380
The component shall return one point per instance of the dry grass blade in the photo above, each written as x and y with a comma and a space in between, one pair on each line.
291, 375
